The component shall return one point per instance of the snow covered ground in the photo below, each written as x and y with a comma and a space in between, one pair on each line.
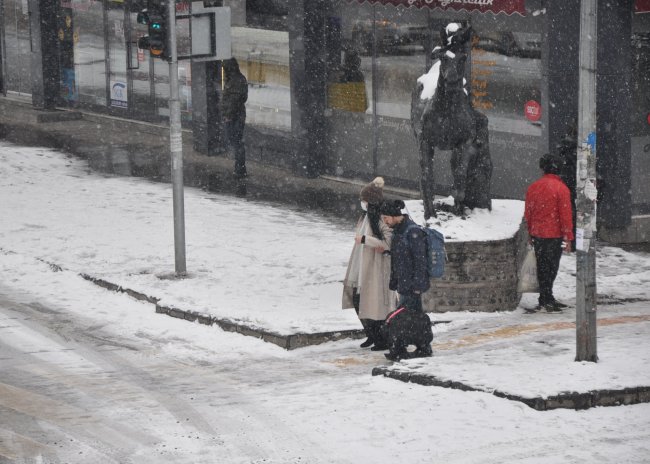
256, 263
280, 268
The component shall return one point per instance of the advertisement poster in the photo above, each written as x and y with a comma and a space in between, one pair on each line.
69, 85
119, 94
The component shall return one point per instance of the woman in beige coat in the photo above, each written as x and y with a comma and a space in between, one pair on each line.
366, 281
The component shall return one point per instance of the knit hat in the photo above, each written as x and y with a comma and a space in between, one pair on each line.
550, 163
373, 193
392, 208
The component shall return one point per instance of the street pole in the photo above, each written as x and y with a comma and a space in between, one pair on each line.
586, 191
176, 146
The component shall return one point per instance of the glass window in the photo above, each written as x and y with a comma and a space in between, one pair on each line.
89, 54
640, 116
117, 53
267, 14
263, 56
394, 43
17, 66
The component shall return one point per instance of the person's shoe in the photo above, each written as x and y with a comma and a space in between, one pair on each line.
379, 347
425, 352
552, 308
367, 343
559, 305
395, 356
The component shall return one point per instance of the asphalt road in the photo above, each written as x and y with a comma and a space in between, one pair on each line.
70, 391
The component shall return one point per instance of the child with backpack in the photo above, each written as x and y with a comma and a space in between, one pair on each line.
412, 266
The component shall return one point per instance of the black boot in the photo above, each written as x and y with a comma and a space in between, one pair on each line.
367, 328
375, 329
369, 341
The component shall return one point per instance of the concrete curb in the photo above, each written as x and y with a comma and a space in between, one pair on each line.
566, 400
288, 342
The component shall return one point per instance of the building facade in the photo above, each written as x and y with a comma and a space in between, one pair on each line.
330, 82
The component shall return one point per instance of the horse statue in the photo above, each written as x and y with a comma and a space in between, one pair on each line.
442, 116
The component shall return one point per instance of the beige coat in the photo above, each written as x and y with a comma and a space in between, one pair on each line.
369, 272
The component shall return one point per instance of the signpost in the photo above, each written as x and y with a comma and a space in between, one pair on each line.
210, 41
586, 188
176, 147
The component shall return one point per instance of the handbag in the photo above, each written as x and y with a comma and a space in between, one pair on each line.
528, 274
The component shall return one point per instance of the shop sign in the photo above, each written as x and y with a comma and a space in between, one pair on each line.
118, 94
642, 6
484, 6
533, 110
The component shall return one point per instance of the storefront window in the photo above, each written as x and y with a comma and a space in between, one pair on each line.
117, 53
90, 54
640, 116
16, 63
395, 43
260, 43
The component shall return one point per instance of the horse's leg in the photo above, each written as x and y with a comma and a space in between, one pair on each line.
460, 159
477, 191
426, 177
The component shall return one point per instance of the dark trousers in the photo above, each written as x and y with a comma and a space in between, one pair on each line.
548, 252
412, 301
235, 137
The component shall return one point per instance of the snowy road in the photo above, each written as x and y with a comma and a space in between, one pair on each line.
93, 376
73, 392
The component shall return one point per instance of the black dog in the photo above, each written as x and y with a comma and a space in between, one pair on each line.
404, 327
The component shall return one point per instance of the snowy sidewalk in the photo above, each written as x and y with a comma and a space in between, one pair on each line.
257, 266
262, 265
279, 270
531, 357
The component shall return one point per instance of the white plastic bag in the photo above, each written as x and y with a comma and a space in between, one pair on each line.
528, 274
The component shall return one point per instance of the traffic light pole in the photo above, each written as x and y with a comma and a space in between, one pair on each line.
586, 188
176, 146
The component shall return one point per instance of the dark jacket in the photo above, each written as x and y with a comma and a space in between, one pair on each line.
235, 92
408, 272
548, 209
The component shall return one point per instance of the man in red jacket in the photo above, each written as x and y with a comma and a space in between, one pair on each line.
550, 227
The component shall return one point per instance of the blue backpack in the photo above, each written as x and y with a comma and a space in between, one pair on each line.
436, 255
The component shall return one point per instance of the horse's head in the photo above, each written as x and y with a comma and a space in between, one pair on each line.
454, 36
452, 54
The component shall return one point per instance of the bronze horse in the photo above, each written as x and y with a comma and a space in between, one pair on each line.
446, 120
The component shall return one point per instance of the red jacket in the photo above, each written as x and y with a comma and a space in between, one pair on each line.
548, 209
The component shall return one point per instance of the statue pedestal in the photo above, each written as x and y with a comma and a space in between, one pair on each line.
483, 252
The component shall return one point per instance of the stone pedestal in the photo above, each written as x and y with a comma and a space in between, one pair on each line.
484, 251
479, 276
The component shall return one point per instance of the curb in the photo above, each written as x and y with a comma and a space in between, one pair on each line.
288, 342
565, 400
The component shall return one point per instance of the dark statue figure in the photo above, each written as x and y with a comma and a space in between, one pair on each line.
447, 121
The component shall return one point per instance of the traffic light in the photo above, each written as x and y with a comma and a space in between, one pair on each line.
155, 17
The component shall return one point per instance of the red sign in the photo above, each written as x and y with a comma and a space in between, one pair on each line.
648, 118
484, 6
533, 110
642, 6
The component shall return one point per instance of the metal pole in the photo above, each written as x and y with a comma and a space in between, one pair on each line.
176, 146
586, 188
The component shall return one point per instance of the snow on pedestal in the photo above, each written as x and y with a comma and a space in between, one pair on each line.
482, 257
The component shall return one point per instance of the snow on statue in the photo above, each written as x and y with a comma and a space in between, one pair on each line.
442, 117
